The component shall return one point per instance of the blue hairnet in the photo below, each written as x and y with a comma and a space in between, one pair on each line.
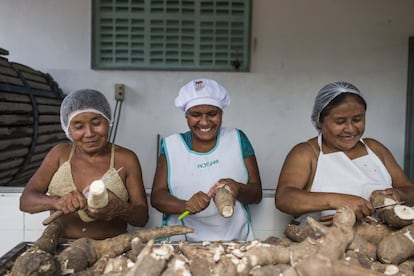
85, 100
327, 94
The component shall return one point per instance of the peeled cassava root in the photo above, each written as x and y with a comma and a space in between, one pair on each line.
224, 201
395, 215
97, 195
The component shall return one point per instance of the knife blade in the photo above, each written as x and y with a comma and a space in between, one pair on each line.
387, 205
103, 179
109, 176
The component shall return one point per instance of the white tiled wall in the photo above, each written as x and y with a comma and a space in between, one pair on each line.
266, 219
17, 226
11, 228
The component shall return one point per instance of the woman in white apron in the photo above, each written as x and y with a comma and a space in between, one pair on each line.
338, 167
191, 163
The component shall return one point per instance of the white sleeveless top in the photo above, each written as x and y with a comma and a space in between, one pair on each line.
336, 173
190, 171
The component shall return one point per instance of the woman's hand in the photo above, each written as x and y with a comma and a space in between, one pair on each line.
197, 203
71, 202
394, 193
113, 209
233, 185
359, 205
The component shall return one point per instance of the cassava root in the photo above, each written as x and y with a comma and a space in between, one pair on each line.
346, 247
224, 201
39, 258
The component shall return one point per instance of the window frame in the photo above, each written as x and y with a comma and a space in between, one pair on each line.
409, 133
221, 60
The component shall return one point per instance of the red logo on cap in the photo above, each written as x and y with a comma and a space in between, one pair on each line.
198, 85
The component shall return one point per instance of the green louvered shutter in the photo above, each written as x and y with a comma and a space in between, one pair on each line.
171, 34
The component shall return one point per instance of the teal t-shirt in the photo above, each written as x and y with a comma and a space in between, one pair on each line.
247, 148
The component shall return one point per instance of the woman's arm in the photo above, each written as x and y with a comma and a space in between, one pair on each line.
34, 198
296, 171
291, 196
251, 192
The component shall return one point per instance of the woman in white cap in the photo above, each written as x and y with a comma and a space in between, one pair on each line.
61, 182
338, 168
192, 163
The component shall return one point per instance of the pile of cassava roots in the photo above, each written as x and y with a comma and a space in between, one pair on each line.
383, 245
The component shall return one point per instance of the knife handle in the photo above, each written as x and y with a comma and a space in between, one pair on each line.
52, 217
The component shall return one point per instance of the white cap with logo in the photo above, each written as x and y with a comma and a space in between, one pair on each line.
200, 92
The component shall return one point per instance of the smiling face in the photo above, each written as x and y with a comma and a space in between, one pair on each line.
204, 121
89, 131
343, 124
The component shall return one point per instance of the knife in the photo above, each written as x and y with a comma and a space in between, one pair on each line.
112, 174
104, 179
184, 214
390, 204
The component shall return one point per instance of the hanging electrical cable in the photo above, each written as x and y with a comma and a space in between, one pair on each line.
117, 115
113, 120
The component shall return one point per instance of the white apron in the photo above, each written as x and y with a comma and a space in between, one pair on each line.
336, 173
190, 172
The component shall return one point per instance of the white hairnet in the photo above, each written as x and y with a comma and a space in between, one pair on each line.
202, 91
327, 94
85, 100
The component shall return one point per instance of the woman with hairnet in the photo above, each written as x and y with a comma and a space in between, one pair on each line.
338, 167
192, 164
62, 181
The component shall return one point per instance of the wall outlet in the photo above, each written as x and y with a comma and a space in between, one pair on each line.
119, 91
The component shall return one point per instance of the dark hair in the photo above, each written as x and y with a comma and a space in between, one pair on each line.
338, 100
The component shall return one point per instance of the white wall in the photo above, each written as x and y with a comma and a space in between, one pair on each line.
297, 47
